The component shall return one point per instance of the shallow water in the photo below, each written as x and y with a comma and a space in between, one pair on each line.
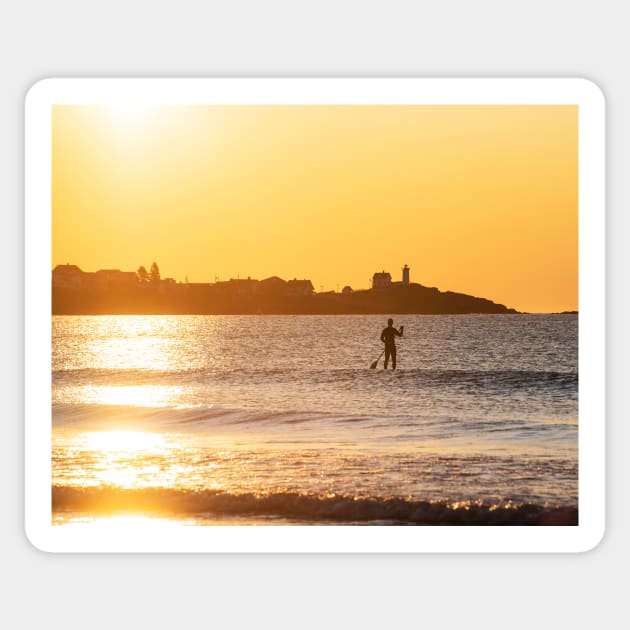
280, 417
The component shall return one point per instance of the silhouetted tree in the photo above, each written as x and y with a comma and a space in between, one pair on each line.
155, 273
142, 274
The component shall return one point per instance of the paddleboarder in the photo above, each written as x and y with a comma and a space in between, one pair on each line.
388, 337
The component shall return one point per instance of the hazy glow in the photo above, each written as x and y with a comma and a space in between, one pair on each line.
136, 114
477, 199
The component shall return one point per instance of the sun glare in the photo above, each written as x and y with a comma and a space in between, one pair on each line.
138, 395
123, 441
123, 459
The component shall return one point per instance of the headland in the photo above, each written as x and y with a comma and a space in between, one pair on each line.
115, 292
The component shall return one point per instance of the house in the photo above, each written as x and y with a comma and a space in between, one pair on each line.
300, 287
113, 278
381, 280
273, 285
68, 277
241, 287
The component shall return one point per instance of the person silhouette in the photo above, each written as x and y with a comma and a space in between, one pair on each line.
388, 337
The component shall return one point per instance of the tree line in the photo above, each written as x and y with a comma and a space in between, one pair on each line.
148, 277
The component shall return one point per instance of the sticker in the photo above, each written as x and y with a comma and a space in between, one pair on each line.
315, 315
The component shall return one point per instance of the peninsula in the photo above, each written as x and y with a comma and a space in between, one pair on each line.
115, 292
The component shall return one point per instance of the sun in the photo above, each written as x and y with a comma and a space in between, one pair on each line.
133, 120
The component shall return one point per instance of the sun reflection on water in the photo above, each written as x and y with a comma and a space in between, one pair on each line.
123, 441
124, 459
130, 343
123, 524
137, 395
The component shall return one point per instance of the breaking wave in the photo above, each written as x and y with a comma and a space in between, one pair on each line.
331, 509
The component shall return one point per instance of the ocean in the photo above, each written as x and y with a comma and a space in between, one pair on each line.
279, 420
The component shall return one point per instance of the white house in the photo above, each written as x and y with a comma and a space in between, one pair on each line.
381, 280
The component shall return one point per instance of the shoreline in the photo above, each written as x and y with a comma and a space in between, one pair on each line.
189, 299
209, 506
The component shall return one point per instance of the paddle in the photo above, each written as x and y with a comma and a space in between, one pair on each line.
373, 366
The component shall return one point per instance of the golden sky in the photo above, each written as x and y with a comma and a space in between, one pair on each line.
475, 199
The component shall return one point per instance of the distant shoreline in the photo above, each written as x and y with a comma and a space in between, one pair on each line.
190, 299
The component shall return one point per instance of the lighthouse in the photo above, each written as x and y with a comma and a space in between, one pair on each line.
405, 275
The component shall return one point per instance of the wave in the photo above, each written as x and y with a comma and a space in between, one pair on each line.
131, 417
314, 509
200, 418
428, 378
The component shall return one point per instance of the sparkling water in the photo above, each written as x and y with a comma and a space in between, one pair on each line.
280, 419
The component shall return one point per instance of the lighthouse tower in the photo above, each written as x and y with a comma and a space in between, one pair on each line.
405, 276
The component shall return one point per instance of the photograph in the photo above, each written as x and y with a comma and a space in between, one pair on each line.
315, 314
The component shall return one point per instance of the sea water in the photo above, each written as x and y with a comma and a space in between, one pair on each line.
279, 419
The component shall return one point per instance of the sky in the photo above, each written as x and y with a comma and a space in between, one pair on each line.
478, 199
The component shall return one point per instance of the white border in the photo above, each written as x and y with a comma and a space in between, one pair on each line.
590, 100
